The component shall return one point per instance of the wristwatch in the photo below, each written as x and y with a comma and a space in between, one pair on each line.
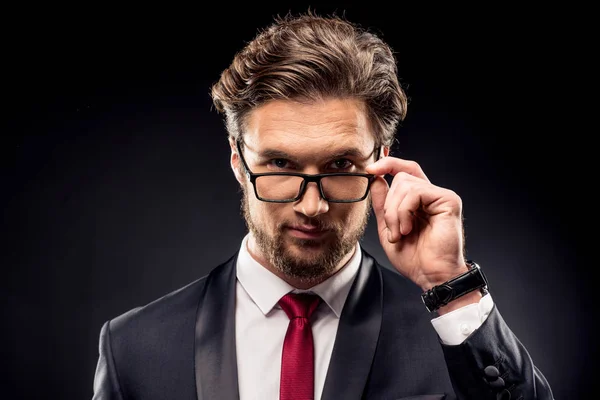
440, 295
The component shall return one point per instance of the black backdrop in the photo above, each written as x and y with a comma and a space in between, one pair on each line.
117, 189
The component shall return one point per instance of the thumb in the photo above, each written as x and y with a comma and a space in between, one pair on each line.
379, 191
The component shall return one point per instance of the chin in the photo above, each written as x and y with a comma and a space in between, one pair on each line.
309, 252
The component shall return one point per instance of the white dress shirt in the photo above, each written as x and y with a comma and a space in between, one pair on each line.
261, 324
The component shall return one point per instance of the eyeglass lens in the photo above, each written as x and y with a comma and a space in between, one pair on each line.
281, 187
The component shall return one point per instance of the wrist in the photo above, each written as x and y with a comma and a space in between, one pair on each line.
440, 278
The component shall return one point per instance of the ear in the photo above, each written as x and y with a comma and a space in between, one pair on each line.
385, 151
235, 162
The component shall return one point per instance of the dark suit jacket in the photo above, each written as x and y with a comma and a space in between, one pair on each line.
182, 347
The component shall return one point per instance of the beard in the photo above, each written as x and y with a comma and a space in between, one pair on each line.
318, 259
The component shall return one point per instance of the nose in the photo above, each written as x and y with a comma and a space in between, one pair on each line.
311, 203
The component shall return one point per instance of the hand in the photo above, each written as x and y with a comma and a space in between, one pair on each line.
419, 224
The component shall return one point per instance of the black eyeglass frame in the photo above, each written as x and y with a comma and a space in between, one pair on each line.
307, 178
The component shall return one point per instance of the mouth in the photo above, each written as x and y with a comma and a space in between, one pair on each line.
307, 231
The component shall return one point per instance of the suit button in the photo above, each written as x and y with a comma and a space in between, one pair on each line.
491, 372
497, 383
503, 395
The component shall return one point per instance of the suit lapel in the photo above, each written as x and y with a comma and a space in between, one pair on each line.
215, 357
356, 340
357, 335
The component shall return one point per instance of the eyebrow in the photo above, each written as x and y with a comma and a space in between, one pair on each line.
348, 152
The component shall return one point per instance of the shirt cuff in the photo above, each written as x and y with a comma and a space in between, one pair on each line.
454, 327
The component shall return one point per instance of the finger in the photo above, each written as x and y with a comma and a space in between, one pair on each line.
402, 184
379, 193
423, 201
407, 211
394, 165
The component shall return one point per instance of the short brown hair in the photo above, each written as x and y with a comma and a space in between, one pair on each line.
308, 57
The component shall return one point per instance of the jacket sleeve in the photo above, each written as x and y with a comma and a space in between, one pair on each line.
106, 382
493, 364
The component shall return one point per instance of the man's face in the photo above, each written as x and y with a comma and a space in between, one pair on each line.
306, 241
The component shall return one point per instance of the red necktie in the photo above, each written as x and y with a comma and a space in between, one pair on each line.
297, 362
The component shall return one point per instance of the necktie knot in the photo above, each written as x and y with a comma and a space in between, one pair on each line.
299, 305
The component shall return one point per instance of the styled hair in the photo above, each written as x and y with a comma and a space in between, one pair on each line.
306, 58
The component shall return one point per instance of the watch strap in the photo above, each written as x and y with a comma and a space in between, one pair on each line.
440, 295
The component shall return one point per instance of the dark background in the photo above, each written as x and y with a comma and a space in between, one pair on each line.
117, 188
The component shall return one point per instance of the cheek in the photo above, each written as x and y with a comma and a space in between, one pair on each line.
266, 215
353, 214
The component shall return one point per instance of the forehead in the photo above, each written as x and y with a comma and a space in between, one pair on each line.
310, 128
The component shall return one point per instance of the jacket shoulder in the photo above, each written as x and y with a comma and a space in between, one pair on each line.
170, 310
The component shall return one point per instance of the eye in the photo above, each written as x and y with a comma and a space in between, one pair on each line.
342, 163
279, 163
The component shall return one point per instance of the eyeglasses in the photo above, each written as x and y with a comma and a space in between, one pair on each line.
287, 187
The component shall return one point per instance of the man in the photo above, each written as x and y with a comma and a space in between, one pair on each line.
311, 106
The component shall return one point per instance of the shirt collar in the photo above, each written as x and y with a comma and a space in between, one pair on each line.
266, 288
